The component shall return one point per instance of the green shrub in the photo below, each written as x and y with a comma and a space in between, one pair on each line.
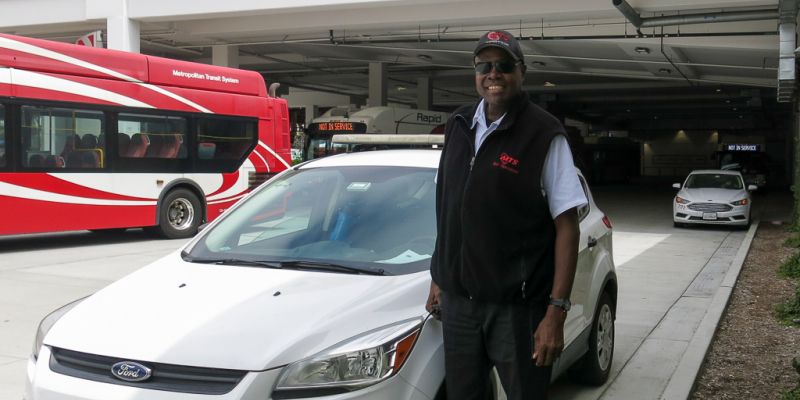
793, 394
792, 241
789, 312
791, 267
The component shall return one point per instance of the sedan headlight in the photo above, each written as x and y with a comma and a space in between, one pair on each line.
742, 202
356, 363
47, 322
681, 200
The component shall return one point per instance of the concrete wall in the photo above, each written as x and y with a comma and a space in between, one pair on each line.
679, 154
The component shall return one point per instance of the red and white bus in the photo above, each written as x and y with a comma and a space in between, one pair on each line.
106, 140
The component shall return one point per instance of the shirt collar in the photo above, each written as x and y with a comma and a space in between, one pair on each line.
480, 116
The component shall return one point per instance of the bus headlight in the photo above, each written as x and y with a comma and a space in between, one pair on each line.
47, 322
355, 363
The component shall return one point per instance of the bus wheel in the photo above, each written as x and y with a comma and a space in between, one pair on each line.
179, 214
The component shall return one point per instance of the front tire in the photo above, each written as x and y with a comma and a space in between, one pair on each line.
594, 367
179, 214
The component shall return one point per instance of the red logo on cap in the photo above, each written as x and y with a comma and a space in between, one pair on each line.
498, 36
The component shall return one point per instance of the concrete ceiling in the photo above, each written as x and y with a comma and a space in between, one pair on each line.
585, 60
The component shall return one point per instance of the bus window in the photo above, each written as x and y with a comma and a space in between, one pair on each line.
2, 136
224, 139
151, 136
54, 138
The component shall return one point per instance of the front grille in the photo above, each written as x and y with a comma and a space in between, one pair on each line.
713, 220
166, 377
710, 207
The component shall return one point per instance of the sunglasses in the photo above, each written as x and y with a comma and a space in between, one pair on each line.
502, 66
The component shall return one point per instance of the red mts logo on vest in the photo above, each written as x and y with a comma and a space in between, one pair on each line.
507, 163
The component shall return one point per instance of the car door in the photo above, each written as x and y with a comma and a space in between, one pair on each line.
581, 313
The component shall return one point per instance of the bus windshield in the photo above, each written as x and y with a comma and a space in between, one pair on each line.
318, 143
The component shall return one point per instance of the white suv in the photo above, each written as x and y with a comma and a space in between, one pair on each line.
314, 286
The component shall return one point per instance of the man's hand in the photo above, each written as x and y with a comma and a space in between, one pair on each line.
432, 305
548, 339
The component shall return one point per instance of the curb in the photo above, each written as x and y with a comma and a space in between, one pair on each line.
681, 383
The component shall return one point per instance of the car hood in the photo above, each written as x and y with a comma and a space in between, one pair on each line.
707, 195
233, 317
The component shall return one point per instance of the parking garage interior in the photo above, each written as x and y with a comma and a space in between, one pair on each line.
649, 90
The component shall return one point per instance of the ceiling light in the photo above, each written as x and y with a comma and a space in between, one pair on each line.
538, 63
642, 50
400, 87
665, 71
424, 57
549, 84
719, 90
728, 101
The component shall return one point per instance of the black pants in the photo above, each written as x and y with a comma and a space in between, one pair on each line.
478, 336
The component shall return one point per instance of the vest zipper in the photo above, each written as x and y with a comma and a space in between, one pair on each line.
522, 276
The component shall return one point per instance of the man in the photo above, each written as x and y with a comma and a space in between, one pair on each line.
506, 250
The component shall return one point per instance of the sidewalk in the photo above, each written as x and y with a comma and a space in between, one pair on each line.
663, 337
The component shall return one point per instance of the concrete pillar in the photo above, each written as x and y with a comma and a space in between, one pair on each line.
377, 84
123, 34
424, 93
225, 56
358, 101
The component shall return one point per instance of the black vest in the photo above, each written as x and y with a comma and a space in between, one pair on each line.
496, 236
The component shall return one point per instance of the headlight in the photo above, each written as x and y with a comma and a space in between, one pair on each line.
355, 363
681, 200
47, 322
742, 202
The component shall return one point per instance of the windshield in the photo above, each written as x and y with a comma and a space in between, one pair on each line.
382, 218
714, 181
322, 146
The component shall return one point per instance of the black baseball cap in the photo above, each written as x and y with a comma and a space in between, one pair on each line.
500, 39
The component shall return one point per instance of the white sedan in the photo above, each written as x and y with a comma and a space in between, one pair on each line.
712, 196
314, 286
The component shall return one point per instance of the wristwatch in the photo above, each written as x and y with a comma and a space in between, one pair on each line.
563, 304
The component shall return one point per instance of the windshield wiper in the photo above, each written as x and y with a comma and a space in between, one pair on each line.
324, 266
292, 264
234, 261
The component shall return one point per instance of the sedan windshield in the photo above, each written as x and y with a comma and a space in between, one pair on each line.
714, 181
372, 219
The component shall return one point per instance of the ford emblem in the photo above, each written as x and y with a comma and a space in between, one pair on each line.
131, 371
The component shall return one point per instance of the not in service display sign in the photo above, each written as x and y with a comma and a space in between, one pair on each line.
742, 147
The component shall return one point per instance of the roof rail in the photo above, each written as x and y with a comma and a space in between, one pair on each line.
389, 139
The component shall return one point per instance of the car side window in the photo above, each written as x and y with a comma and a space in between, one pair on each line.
583, 210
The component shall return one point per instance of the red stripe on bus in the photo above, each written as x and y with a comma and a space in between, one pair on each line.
51, 184
66, 217
38, 93
228, 180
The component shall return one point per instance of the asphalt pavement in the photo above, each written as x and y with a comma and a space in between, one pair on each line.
674, 286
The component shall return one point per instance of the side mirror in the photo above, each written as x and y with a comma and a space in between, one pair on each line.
752, 187
676, 185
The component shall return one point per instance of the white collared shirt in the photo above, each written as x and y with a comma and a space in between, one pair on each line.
559, 183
